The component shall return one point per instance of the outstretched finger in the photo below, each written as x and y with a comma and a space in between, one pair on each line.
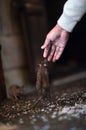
55, 54
51, 53
46, 43
46, 51
60, 51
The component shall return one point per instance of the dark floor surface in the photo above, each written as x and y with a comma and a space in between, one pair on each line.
66, 110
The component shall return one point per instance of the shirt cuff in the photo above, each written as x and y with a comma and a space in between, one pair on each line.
66, 22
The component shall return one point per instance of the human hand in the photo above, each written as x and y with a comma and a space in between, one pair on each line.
55, 43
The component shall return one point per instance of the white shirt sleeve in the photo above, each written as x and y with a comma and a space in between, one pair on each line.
72, 13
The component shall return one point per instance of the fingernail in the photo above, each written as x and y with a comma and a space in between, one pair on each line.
41, 47
44, 56
57, 57
49, 59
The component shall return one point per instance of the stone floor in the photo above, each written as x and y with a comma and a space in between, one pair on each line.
66, 110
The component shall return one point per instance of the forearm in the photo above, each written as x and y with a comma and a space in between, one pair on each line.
72, 13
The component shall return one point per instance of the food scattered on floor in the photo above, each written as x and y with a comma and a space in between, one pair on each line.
67, 102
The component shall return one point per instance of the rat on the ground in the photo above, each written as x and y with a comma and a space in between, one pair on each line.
15, 91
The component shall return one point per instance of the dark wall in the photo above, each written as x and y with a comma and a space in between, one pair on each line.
54, 9
77, 42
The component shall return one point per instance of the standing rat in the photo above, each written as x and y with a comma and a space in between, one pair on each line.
16, 91
42, 82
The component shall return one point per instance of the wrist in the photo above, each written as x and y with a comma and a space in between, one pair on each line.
61, 29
